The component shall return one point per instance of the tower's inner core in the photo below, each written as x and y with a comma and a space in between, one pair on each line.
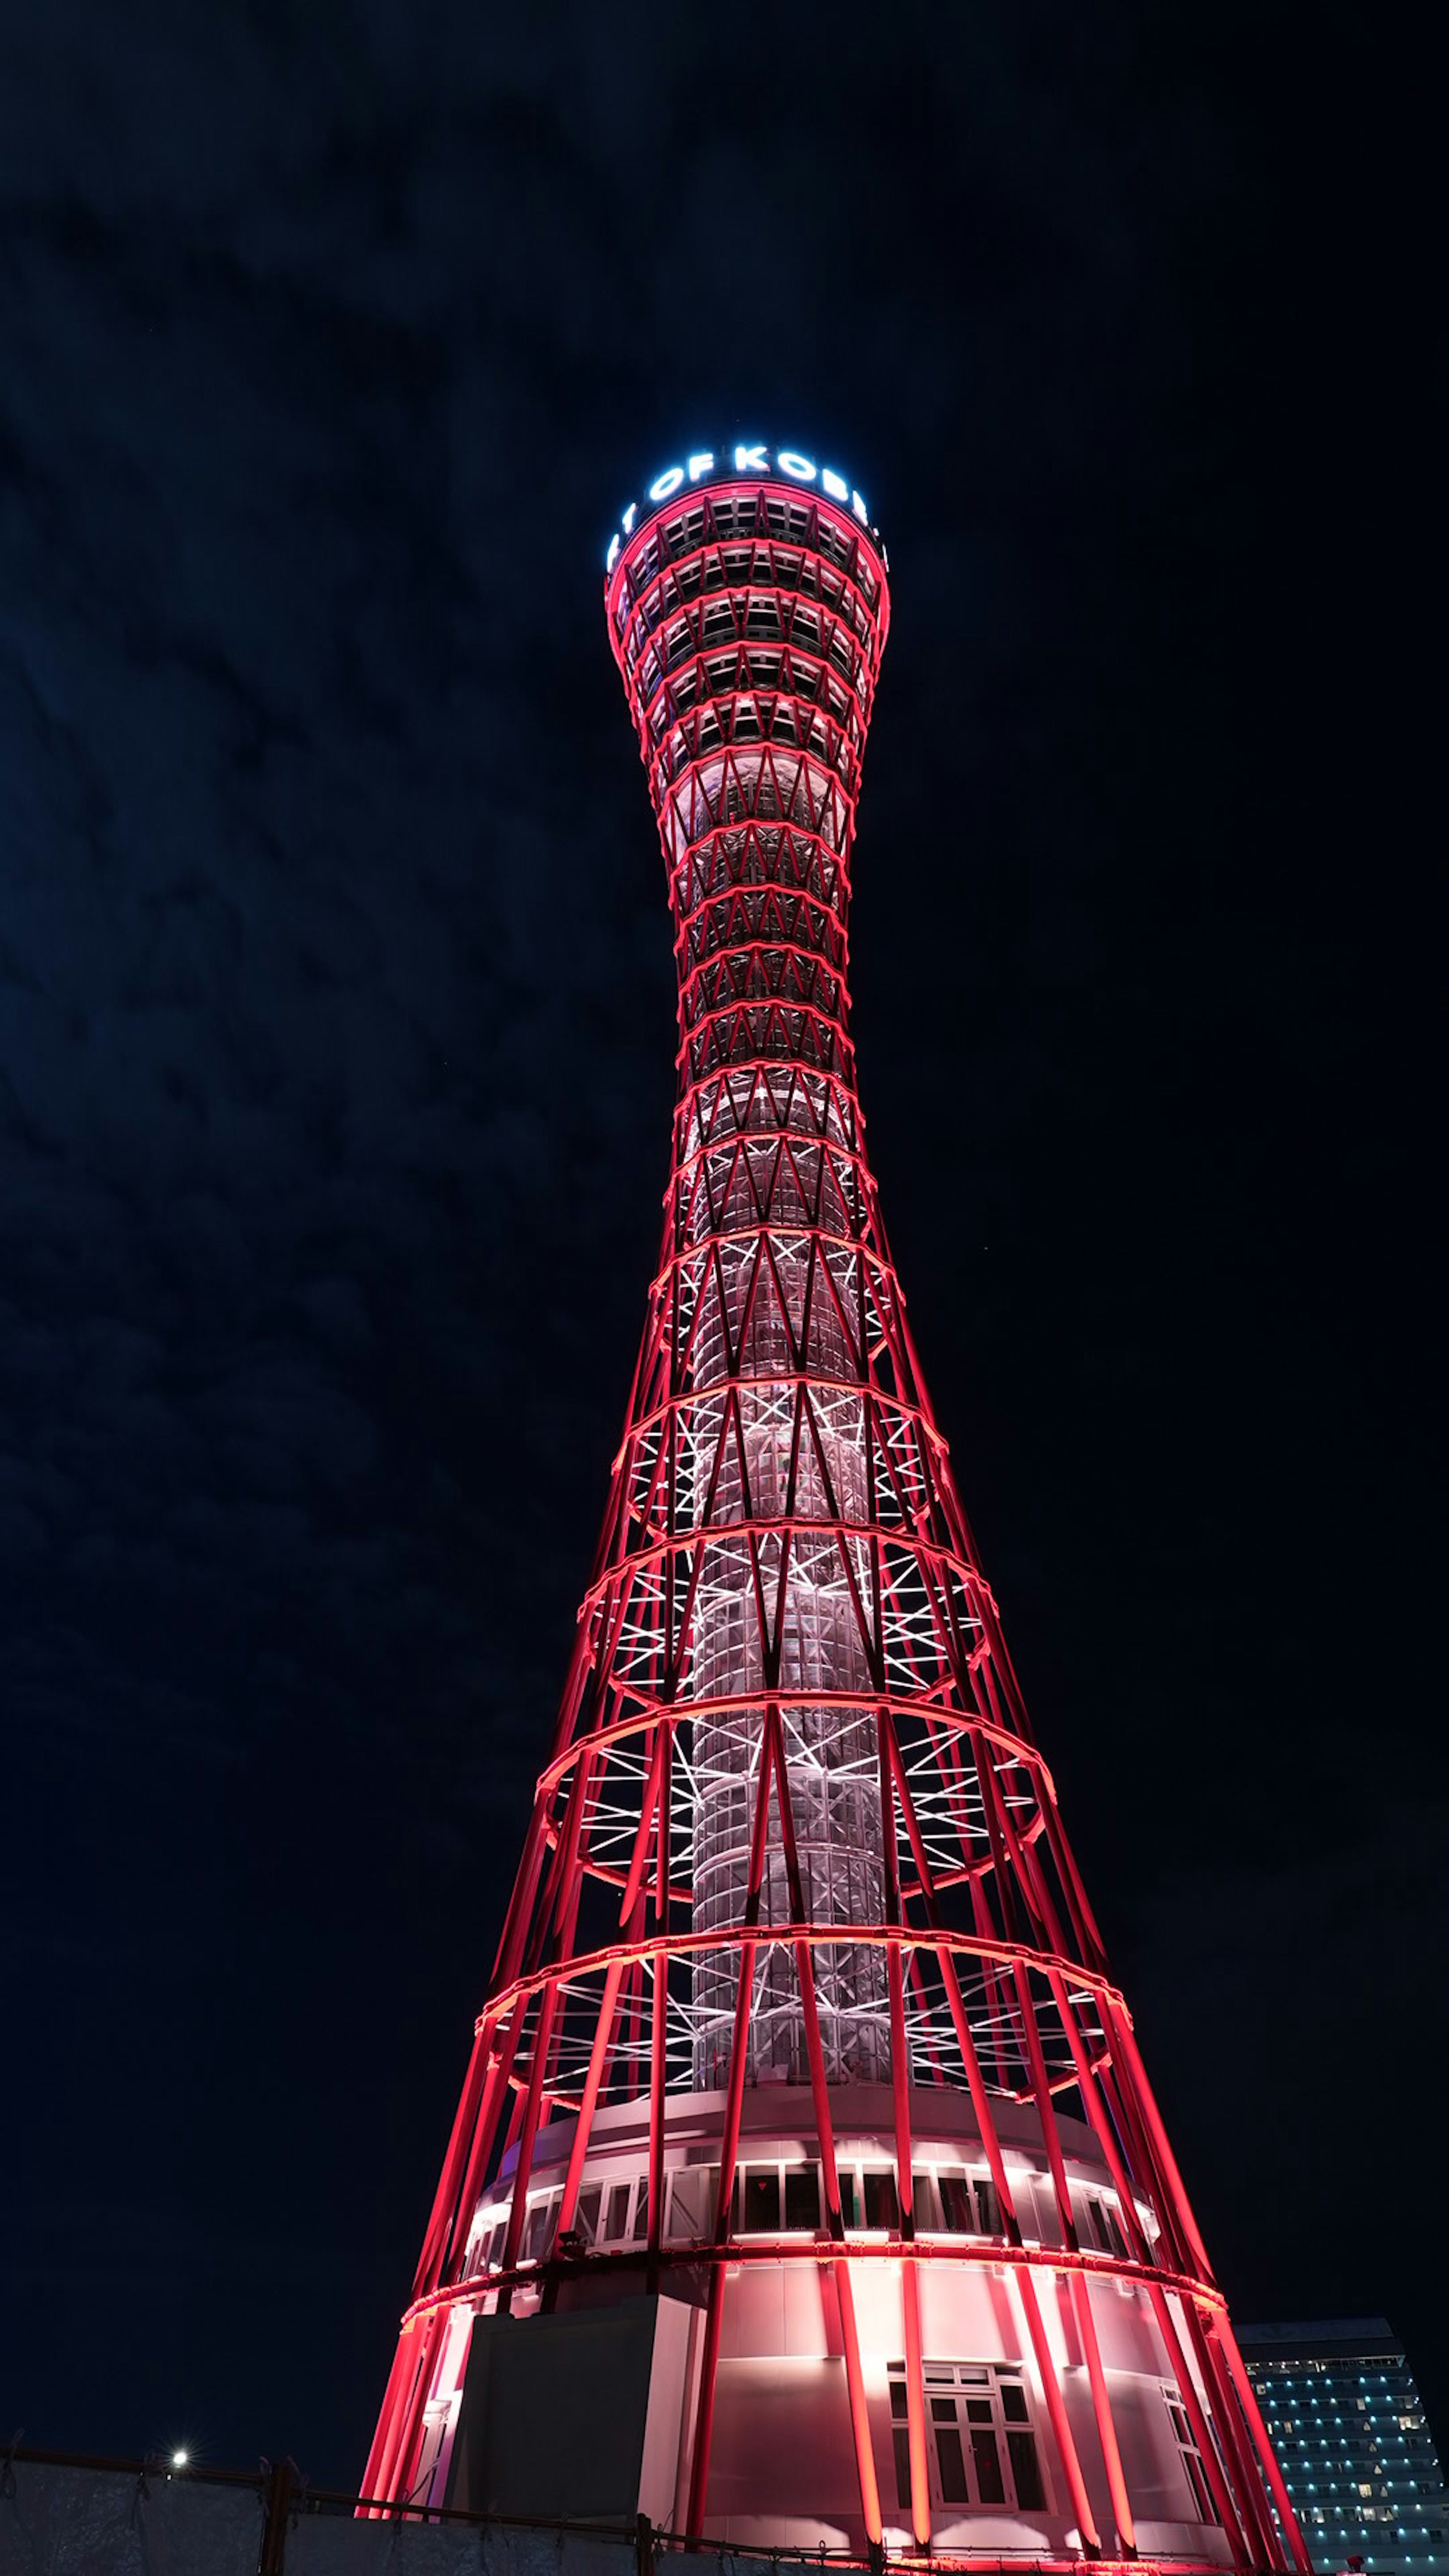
750, 637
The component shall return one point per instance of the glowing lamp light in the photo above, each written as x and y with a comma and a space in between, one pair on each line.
179, 2459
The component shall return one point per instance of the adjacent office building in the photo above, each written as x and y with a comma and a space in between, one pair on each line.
1351, 2435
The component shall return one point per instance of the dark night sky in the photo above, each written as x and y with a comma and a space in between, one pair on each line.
336, 997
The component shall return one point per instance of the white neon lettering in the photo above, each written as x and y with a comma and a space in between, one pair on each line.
837, 490
612, 557
750, 460
700, 465
858, 506
630, 515
666, 483
799, 468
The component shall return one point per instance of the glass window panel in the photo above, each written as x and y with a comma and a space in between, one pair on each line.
802, 2196
849, 2199
1013, 2402
901, 2444
617, 2219
1025, 2471
1198, 2484
880, 2200
762, 2199
959, 2215
923, 2201
990, 2483
978, 2410
898, 2397
691, 2203
943, 2410
988, 2207
586, 2212
954, 2489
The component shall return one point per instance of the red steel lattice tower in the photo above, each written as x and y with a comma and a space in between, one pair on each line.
802, 2102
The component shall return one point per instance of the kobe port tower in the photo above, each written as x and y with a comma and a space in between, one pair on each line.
807, 2189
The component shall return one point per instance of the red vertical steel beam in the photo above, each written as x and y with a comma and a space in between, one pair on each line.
729, 2147
825, 2134
402, 2467
1081, 2299
518, 2203
440, 2223
1066, 2448
383, 2438
975, 2081
1102, 2409
905, 2182
1244, 2534
659, 2035
1252, 2502
1220, 2333
1095, 2109
598, 2050
1124, 2039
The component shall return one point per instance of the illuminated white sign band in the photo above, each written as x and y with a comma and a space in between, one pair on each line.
747, 460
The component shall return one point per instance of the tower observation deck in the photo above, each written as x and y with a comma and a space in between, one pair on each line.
806, 2188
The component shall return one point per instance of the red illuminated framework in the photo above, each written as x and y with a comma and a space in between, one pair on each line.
795, 1866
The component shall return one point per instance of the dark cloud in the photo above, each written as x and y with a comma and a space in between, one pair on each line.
336, 1039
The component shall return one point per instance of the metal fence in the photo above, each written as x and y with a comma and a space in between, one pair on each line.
63, 2514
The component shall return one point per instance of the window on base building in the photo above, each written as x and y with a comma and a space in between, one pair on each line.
1191, 2458
968, 2204
981, 2445
880, 2200
691, 2203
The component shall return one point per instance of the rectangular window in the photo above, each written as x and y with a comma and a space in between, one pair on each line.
968, 2204
586, 2213
691, 2203
616, 2220
802, 2196
900, 2437
957, 2207
990, 2484
537, 2230
982, 2449
950, 2461
925, 2209
1025, 2471
880, 2200
641, 2209
762, 2201
849, 2197
1191, 2458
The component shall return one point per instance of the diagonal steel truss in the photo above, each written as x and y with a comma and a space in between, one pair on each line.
794, 1823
